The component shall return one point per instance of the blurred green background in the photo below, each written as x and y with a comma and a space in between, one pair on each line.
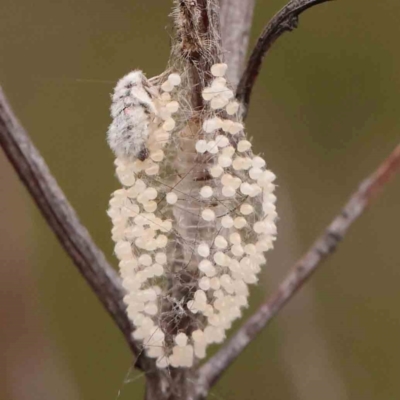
325, 112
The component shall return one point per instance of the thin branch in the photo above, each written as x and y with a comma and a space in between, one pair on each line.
284, 21
62, 218
235, 20
324, 246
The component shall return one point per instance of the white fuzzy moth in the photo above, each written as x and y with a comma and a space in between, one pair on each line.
194, 216
132, 111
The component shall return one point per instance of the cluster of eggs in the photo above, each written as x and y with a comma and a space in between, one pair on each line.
243, 232
140, 235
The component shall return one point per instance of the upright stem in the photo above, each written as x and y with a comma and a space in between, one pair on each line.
197, 43
236, 18
196, 49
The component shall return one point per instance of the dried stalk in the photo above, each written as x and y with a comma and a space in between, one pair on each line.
235, 17
284, 21
62, 218
324, 246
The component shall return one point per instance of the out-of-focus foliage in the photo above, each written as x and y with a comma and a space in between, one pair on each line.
324, 113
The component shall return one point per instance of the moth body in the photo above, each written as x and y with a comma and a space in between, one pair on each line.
132, 111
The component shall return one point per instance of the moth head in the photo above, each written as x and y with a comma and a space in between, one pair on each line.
134, 78
143, 154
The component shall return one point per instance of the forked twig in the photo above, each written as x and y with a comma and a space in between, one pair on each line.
284, 21
91, 262
324, 246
